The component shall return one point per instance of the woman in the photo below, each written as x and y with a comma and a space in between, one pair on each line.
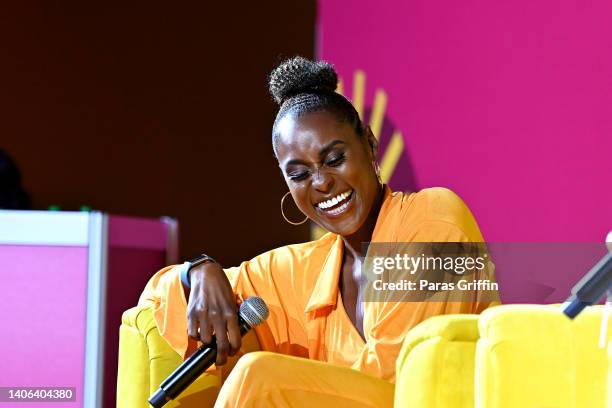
314, 290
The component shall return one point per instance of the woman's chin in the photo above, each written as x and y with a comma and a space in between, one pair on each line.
343, 227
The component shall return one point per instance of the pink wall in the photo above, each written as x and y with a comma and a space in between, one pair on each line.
507, 103
43, 314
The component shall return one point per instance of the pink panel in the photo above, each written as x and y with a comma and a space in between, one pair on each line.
507, 103
129, 269
42, 315
137, 249
131, 232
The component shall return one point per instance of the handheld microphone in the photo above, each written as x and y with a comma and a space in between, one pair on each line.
253, 312
590, 288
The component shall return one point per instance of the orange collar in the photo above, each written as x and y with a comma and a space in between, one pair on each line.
325, 291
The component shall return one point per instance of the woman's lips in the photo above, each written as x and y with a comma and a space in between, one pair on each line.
339, 208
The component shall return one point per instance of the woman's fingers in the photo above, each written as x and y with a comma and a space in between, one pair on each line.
233, 334
192, 326
205, 329
198, 322
220, 327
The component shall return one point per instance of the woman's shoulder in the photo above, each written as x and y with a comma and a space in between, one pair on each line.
439, 202
429, 203
437, 206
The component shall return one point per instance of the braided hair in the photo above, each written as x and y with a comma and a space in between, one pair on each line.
301, 86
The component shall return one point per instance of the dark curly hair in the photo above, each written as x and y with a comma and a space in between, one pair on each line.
301, 86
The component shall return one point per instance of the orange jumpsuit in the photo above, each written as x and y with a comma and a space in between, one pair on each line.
299, 283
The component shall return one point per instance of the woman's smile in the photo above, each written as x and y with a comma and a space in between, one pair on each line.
336, 206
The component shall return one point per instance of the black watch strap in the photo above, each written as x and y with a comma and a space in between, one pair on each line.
200, 260
187, 266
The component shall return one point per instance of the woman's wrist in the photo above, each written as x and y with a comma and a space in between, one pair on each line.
199, 270
189, 266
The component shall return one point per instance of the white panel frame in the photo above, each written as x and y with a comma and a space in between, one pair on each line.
96, 306
54, 228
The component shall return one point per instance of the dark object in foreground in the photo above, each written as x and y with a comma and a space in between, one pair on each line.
12, 194
591, 288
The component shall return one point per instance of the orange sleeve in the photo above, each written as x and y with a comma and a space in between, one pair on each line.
444, 217
166, 294
448, 219
275, 276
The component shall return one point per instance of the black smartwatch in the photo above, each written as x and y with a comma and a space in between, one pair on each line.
188, 265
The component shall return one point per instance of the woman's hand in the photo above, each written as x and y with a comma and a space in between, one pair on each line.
212, 308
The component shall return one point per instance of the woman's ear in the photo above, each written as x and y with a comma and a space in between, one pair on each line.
372, 143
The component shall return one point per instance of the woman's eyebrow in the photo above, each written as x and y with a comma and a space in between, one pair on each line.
295, 162
324, 150
330, 146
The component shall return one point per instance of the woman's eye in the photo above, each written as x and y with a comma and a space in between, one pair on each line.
298, 176
336, 160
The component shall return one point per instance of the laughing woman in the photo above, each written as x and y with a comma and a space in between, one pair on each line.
322, 344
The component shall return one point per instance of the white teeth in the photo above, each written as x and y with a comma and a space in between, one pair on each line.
335, 200
339, 209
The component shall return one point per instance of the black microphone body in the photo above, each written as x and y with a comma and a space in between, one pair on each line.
203, 358
590, 288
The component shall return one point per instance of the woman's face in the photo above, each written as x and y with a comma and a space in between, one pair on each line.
329, 170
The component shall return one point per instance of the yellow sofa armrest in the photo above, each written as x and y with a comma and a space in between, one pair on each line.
146, 359
534, 356
435, 367
609, 374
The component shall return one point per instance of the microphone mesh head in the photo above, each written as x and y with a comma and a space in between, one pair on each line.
254, 311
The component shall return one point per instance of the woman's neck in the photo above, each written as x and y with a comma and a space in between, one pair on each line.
353, 244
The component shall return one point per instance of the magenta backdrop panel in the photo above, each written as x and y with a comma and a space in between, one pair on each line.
42, 315
133, 232
507, 103
136, 250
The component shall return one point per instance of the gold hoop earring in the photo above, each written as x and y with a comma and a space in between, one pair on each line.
283, 212
377, 171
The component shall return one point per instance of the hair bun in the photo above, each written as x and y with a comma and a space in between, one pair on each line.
300, 75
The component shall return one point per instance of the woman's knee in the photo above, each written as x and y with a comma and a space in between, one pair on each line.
256, 362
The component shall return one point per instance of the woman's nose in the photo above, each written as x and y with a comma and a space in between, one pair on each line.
322, 181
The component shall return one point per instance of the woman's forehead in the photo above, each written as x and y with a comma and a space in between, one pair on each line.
311, 132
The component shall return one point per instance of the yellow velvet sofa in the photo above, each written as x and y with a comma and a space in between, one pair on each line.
509, 356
